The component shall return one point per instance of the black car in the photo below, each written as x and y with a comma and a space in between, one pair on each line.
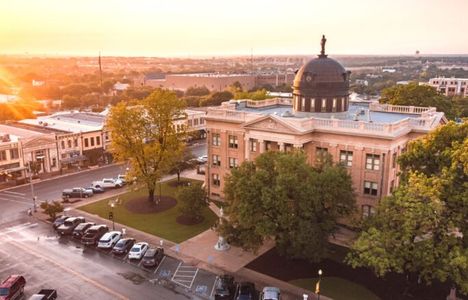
69, 225
96, 189
245, 291
123, 246
153, 257
59, 221
225, 288
93, 234
79, 230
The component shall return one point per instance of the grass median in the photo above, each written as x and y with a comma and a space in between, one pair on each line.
162, 224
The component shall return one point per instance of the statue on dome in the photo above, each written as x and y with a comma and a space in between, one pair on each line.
322, 43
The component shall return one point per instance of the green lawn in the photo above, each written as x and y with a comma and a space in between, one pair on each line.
162, 224
336, 288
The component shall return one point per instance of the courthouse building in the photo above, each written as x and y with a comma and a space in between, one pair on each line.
367, 138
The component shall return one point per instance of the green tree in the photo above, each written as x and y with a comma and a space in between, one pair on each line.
280, 196
52, 209
197, 91
421, 229
414, 94
144, 135
185, 162
193, 201
217, 98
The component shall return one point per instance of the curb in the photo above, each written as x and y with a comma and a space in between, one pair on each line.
60, 176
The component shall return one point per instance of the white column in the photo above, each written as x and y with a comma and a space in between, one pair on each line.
281, 146
247, 148
298, 146
262, 145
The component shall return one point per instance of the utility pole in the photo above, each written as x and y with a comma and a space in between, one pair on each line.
32, 187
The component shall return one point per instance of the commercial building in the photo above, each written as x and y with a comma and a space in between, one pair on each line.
367, 138
450, 86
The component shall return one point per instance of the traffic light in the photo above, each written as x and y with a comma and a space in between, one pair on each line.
111, 215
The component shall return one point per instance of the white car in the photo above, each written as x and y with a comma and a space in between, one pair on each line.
107, 183
109, 239
202, 159
138, 250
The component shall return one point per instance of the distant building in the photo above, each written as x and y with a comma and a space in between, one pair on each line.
120, 87
4, 98
367, 138
450, 86
362, 82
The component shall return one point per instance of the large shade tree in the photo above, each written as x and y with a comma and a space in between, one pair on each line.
280, 196
417, 95
422, 229
144, 135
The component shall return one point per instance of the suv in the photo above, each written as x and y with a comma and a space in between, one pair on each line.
45, 294
69, 225
79, 230
270, 293
245, 291
153, 257
109, 239
93, 234
225, 287
12, 287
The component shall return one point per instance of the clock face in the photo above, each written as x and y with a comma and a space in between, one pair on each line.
308, 78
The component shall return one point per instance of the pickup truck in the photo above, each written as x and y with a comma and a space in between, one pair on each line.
108, 183
77, 192
45, 294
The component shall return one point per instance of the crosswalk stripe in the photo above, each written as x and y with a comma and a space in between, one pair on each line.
16, 201
14, 193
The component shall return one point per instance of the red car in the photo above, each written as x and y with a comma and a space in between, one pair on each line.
12, 287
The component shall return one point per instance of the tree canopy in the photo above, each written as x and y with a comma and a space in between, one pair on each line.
422, 228
144, 135
417, 95
279, 195
193, 201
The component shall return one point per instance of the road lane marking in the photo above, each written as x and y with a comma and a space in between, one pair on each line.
214, 285
17, 228
14, 193
160, 263
69, 270
16, 201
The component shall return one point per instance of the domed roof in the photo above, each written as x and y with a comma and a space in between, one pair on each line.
322, 76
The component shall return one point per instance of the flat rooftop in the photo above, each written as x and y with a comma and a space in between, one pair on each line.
68, 122
211, 75
16, 133
356, 112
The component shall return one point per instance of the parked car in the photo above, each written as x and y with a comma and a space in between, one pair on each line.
123, 246
202, 159
245, 291
122, 177
45, 294
108, 183
77, 192
79, 230
12, 287
93, 234
69, 225
271, 293
96, 189
59, 221
138, 250
225, 288
109, 239
153, 257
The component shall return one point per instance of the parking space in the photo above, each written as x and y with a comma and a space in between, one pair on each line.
204, 283
167, 267
185, 275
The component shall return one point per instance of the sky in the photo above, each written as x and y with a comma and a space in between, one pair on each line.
191, 28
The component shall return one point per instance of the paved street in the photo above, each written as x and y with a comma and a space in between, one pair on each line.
15, 202
47, 261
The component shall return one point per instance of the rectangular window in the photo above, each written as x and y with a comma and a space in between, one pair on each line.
202, 121
367, 210
63, 144
69, 142
312, 104
92, 141
373, 162
216, 181
394, 160
334, 104
216, 160
346, 158
324, 104
233, 143
370, 188
320, 153
195, 122
253, 145
189, 123
14, 154
98, 140
86, 143
75, 142
3, 155
216, 139
107, 136
54, 162
232, 162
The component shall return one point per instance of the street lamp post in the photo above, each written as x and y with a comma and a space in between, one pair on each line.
32, 187
317, 287
112, 215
